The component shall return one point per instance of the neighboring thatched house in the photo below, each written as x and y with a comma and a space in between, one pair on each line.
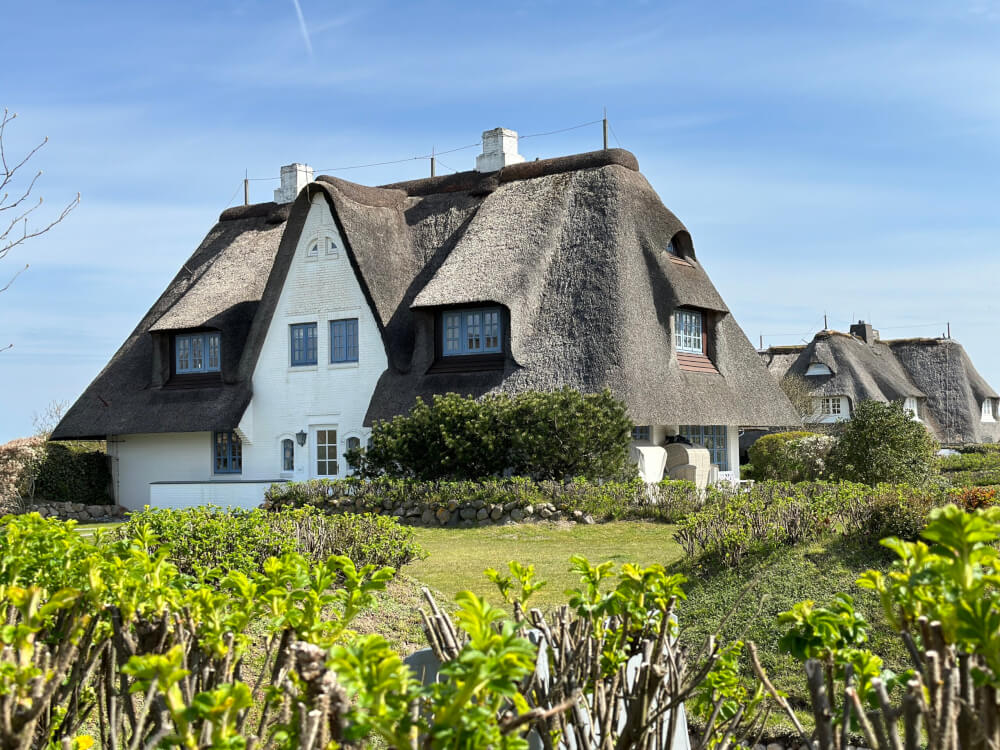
934, 378
298, 323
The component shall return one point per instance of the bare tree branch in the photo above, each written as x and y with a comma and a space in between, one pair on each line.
17, 230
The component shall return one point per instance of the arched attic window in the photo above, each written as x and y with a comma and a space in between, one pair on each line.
322, 246
680, 248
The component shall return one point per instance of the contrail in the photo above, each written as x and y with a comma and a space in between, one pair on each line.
303, 27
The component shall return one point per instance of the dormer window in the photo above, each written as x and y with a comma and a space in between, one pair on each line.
989, 410
671, 249
689, 331
472, 331
197, 352
818, 368
911, 407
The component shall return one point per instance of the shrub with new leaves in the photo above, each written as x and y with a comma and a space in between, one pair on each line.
882, 443
543, 435
791, 456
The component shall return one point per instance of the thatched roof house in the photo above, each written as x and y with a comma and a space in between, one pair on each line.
934, 378
574, 261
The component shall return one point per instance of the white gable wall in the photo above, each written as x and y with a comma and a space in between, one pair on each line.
288, 399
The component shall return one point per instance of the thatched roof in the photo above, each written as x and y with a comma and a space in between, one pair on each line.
937, 370
218, 287
573, 248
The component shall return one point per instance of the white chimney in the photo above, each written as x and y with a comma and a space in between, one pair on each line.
499, 150
294, 177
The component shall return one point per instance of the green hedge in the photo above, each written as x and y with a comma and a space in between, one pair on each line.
669, 501
74, 473
789, 456
544, 435
208, 537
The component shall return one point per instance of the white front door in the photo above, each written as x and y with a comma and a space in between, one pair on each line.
326, 457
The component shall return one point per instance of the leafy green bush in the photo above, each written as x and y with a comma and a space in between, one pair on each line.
973, 461
986, 448
74, 473
543, 435
668, 501
790, 456
770, 515
209, 537
882, 443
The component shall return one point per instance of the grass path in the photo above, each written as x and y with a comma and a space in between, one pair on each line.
457, 557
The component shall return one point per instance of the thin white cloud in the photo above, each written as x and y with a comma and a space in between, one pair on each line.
303, 28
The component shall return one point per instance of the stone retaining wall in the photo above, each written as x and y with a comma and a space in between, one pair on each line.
454, 514
78, 512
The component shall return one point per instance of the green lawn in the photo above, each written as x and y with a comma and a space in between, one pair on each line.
457, 557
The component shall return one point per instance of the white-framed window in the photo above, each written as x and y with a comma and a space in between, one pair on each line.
326, 452
287, 455
911, 407
830, 406
989, 410
324, 245
818, 368
688, 328
712, 437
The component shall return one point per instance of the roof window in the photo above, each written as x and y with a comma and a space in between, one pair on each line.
818, 368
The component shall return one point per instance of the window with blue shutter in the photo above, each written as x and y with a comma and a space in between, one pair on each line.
344, 340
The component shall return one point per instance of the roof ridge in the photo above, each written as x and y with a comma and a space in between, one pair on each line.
471, 180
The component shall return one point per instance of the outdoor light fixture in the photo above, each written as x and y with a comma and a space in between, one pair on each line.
301, 437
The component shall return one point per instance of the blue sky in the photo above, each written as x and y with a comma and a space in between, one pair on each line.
839, 156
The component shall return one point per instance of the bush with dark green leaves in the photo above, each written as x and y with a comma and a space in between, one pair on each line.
210, 537
74, 472
543, 435
882, 443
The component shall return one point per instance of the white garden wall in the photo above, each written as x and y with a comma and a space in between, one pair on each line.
286, 400
138, 460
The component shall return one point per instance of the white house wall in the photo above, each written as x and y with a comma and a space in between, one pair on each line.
139, 460
286, 399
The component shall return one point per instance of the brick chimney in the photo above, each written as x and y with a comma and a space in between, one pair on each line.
499, 150
865, 332
294, 177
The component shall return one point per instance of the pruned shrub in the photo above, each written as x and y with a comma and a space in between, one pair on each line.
882, 443
790, 456
74, 473
208, 537
542, 435
771, 515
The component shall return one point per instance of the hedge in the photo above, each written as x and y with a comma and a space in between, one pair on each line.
74, 473
668, 501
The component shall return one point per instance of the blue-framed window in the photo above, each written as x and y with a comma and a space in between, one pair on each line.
712, 437
471, 332
640, 432
344, 340
227, 453
303, 343
198, 352
688, 336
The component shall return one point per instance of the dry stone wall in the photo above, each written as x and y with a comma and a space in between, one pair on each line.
78, 512
454, 514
